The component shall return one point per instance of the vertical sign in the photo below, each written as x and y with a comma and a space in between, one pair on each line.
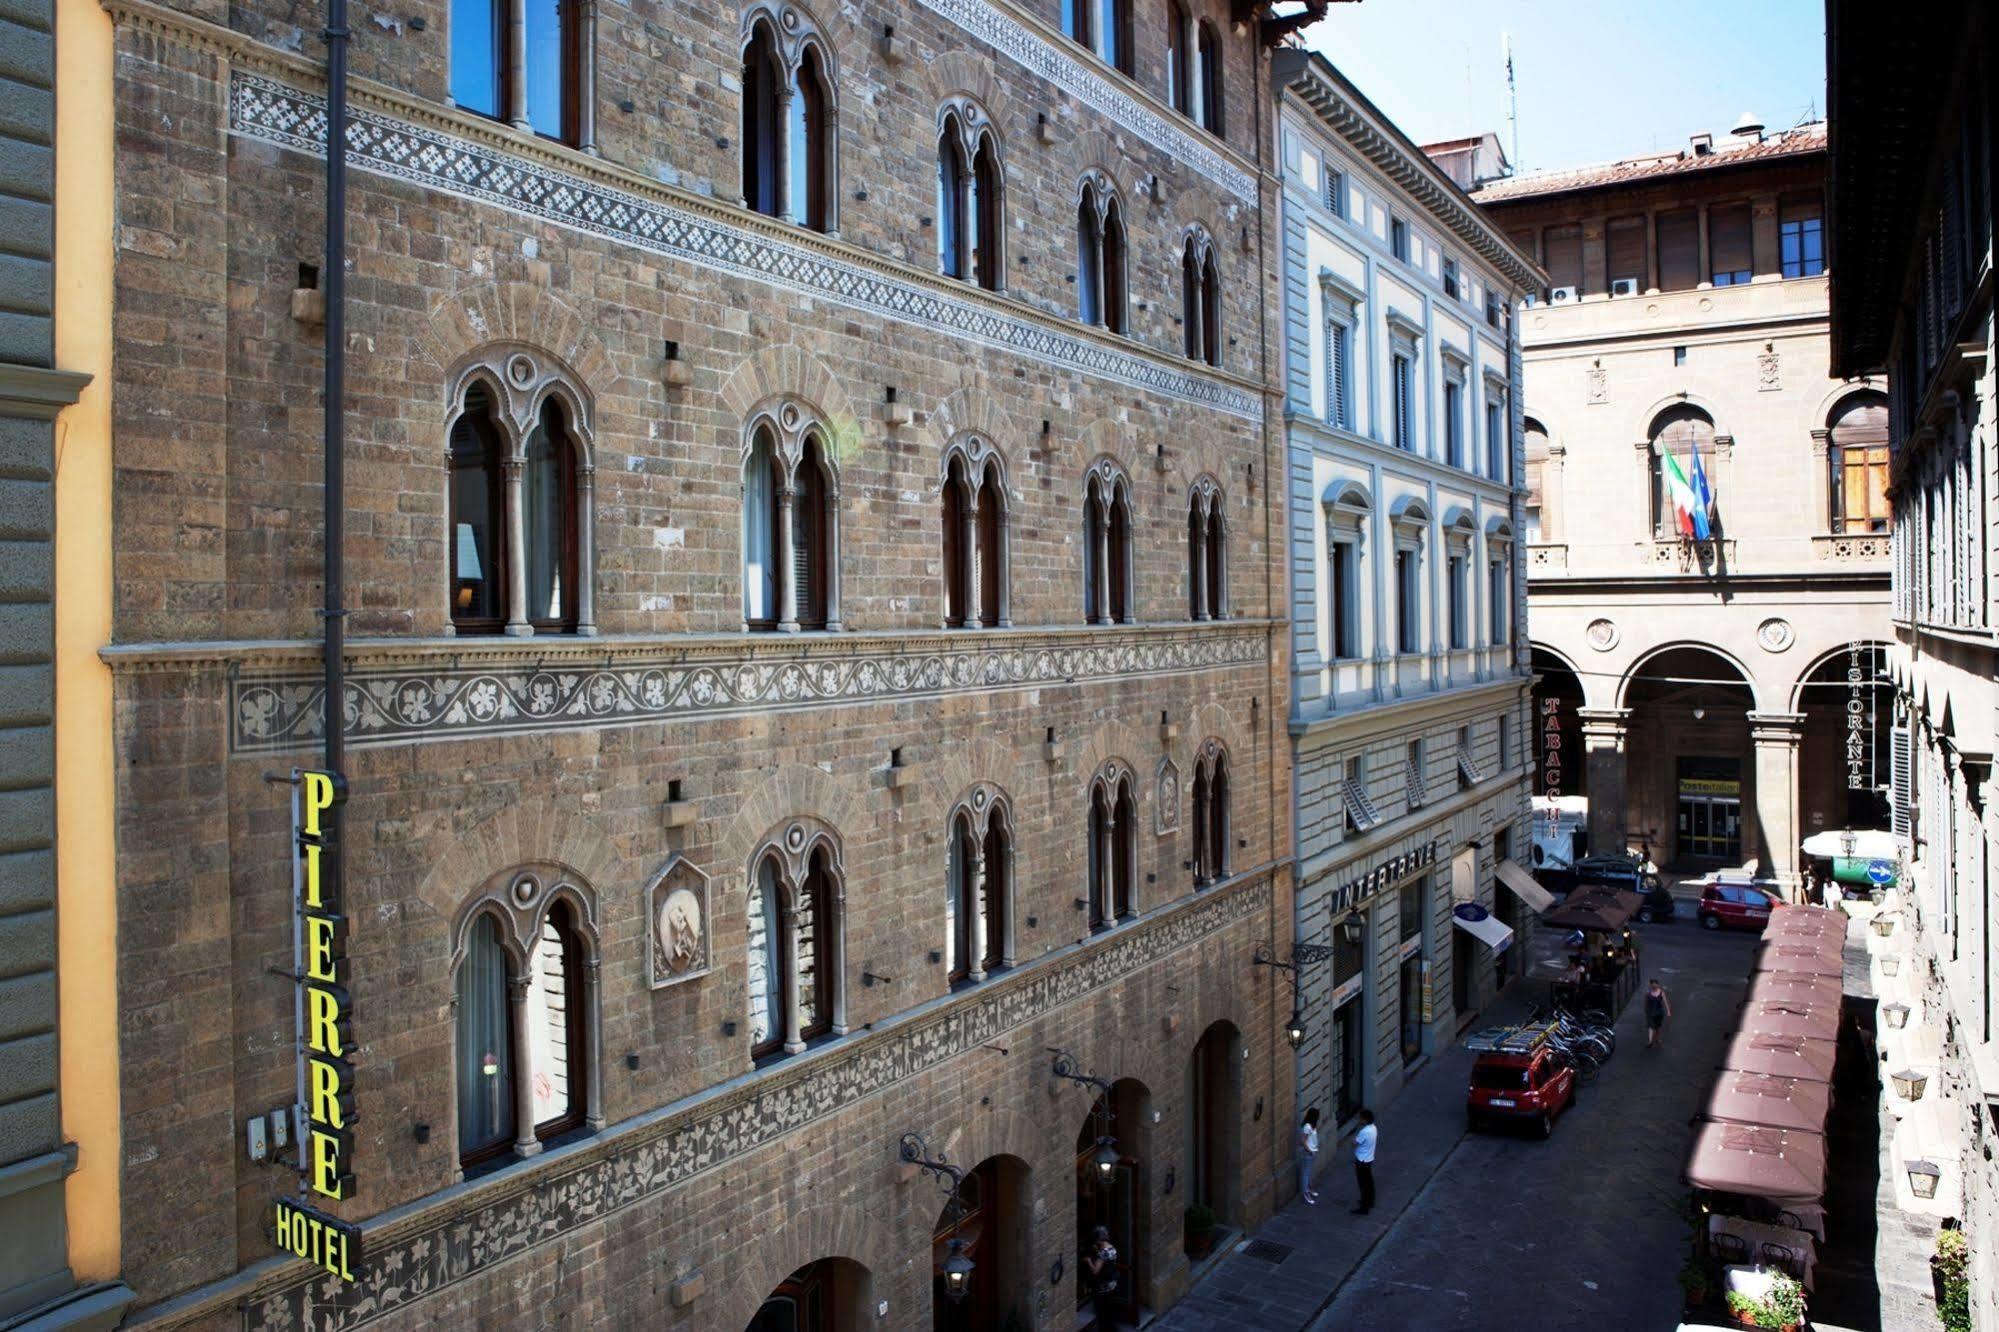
1551, 755
1858, 750
324, 1014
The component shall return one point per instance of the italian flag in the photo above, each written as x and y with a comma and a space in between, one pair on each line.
1681, 492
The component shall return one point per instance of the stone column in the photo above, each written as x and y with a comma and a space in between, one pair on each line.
1776, 736
1822, 469
525, 1143
593, 1036
586, 94
1006, 907
517, 555
787, 559
968, 555
783, 150
1604, 733
977, 933
1005, 557
517, 64
1106, 866
1103, 615
794, 1040
1197, 555
832, 521
586, 552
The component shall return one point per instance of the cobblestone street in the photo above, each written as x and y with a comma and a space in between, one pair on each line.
1493, 1230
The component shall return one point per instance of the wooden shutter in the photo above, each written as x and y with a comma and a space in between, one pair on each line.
1728, 238
1898, 780
1565, 257
1627, 249
1679, 250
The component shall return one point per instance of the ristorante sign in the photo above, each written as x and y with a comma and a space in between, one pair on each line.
324, 1013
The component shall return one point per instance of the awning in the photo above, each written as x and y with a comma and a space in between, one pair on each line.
1492, 931
1522, 883
1778, 1165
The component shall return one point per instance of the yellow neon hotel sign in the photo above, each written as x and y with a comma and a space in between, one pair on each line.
325, 1019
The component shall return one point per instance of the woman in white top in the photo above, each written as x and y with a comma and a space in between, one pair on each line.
1308, 1151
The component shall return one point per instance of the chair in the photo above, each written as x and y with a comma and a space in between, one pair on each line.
1730, 1248
1784, 1258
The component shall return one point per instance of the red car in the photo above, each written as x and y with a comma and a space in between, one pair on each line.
1519, 1079
1738, 905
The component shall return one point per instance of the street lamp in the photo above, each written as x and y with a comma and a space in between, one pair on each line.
1923, 1177
1909, 1084
1891, 965
1884, 924
1353, 929
1302, 955
1897, 1015
1105, 1159
957, 1271
1294, 1030
911, 1149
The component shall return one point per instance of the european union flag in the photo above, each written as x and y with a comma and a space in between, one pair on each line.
1703, 498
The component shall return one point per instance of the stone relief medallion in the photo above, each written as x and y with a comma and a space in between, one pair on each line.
677, 916
1776, 634
1166, 809
1602, 634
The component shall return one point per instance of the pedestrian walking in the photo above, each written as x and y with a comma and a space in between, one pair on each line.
1308, 1152
1657, 1009
1102, 1261
1363, 1161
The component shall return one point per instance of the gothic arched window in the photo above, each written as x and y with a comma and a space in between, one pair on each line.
1107, 589
790, 529
796, 941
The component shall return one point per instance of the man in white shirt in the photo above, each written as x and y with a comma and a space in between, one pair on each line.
1363, 1161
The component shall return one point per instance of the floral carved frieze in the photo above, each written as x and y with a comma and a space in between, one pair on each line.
444, 698
265, 109
418, 1255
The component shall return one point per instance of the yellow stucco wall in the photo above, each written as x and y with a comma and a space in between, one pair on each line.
87, 905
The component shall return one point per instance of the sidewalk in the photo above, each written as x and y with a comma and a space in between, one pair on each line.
1321, 1246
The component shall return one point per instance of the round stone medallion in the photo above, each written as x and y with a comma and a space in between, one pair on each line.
1776, 634
1602, 634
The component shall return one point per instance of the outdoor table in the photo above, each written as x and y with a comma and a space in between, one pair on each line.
1756, 1234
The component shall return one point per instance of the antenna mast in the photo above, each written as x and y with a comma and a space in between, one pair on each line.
1512, 98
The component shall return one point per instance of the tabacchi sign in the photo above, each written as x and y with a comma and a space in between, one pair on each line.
325, 1018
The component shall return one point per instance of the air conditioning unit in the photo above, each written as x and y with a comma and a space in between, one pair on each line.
1624, 286
1561, 295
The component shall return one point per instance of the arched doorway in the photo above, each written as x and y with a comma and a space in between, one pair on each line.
1118, 1199
1211, 1162
989, 1222
1690, 764
829, 1295
1848, 704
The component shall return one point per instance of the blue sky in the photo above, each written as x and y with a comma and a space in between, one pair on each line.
1597, 81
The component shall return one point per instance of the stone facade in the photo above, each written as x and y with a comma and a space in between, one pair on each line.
670, 741
1409, 766
1912, 296
1699, 685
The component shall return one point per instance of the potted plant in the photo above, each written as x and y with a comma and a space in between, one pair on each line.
1953, 1284
1200, 1230
1694, 1282
1783, 1307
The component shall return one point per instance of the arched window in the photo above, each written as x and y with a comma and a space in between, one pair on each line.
975, 537
1114, 35
1113, 849
1859, 459
1201, 300
1107, 590
478, 518
978, 928
1678, 434
1179, 61
537, 84
1089, 258
525, 1023
1208, 79
790, 525
1207, 586
788, 122
1115, 311
795, 936
1211, 814
969, 197
519, 559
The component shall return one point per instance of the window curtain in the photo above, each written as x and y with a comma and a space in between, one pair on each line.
948, 173
805, 948
992, 894
543, 529
549, 997
955, 952
766, 985
1218, 816
485, 1055
759, 555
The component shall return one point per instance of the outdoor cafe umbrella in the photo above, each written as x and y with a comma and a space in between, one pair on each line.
1809, 921
1807, 1057
1782, 1166
1762, 1098
1790, 1017
1806, 959
1819, 991
1600, 909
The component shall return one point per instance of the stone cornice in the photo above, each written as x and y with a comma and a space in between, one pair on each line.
37, 393
427, 1245
405, 690
273, 98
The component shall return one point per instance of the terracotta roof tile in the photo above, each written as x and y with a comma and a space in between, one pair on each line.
1792, 143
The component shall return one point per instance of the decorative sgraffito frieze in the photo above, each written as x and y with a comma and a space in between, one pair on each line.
422, 1255
265, 109
440, 698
